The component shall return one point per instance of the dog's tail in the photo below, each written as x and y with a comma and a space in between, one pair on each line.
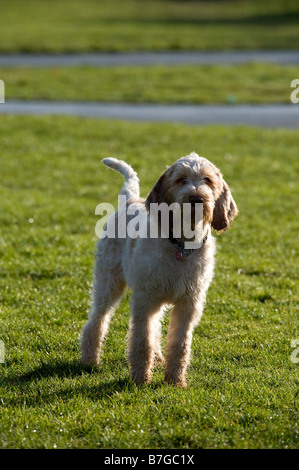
131, 186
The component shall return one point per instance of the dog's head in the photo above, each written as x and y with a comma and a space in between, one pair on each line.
193, 179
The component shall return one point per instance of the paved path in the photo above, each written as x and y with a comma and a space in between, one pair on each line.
285, 115
262, 115
148, 58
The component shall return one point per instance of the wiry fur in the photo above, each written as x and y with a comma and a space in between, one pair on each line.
150, 268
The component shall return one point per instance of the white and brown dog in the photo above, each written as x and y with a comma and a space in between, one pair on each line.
159, 270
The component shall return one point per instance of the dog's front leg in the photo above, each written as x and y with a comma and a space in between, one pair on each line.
184, 317
143, 334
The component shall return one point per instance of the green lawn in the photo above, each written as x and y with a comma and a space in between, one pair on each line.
73, 25
243, 386
250, 83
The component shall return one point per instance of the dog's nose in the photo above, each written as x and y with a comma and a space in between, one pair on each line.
195, 200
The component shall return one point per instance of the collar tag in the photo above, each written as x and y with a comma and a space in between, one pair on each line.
181, 250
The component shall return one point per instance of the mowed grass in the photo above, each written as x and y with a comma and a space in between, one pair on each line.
243, 386
73, 25
249, 83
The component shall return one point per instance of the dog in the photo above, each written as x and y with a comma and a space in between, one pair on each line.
160, 271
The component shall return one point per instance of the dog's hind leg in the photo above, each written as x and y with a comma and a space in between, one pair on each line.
159, 358
108, 289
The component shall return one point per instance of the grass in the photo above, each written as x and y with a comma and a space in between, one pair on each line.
250, 83
73, 25
243, 386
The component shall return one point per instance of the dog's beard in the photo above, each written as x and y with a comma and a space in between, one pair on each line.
208, 208
188, 224
187, 221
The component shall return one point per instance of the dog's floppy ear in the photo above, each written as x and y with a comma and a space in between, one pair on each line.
225, 209
159, 192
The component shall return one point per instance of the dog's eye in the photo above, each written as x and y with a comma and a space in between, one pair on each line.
207, 180
181, 181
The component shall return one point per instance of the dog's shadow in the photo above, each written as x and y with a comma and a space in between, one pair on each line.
72, 382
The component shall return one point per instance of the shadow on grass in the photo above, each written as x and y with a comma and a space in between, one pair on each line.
81, 386
58, 369
278, 18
